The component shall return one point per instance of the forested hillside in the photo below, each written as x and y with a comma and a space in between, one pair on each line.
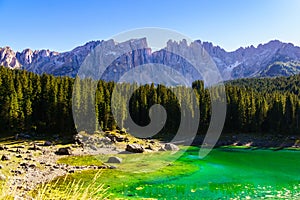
266, 85
43, 104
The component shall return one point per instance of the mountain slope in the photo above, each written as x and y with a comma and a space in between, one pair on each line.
281, 69
274, 58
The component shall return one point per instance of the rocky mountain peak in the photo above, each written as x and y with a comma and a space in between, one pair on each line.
244, 62
8, 58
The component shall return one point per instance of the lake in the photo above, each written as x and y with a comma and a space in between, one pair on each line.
224, 174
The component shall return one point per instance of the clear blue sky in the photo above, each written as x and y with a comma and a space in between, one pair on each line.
64, 24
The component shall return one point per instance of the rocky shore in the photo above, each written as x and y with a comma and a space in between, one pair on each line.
254, 140
26, 163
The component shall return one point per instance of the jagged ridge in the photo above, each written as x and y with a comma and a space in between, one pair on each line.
274, 58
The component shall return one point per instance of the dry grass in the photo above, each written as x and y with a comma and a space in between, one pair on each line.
61, 189
75, 190
7, 193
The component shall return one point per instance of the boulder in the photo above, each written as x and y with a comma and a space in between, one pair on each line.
2, 148
78, 139
5, 157
2, 177
16, 172
171, 147
32, 165
105, 140
47, 143
93, 147
34, 148
64, 151
19, 156
122, 132
24, 165
135, 148
162, 149
18, 147
114, 159
23, 136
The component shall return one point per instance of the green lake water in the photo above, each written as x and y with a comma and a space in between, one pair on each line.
225, 173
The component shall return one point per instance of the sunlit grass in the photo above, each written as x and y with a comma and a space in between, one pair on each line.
80, 160
72, 189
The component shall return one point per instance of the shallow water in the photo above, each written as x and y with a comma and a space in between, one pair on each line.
227, 174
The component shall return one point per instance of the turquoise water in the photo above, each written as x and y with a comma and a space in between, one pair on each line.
227, 174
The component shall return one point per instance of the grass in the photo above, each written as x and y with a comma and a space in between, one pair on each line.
75, 189
80, 160
7, 193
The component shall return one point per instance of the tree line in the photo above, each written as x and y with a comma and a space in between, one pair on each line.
43, 104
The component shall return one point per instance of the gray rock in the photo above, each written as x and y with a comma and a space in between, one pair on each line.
34, 148
171, 147
105, 140
78, 139
102, 167
2, 177
19, 147
24, 136
135, 148
149, 147
24, 165
32, 165
16, 172
114, 159
5, 157
2, 148
64, 151
162, 149
93, 147
56, 166
47, 143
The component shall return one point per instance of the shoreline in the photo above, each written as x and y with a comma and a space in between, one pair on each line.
255, 141
32, 163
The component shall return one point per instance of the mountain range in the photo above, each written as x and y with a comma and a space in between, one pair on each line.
274, 58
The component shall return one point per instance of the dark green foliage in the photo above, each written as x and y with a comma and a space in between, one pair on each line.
33, 103
43, 104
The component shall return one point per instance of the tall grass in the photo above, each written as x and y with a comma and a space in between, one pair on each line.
7, 192
75, 190
60, 189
